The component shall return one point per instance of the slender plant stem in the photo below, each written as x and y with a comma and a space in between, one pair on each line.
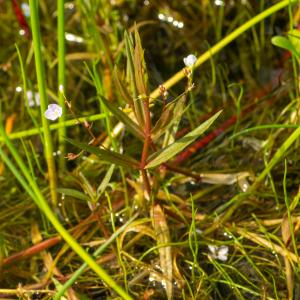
61, 79
147, 143
32, 188
40, 73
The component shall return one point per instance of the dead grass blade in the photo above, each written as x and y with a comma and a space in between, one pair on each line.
165, 255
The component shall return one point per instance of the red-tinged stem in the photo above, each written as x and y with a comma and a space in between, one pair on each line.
187, 153
31, 251
117, 205
147, 143
20, 17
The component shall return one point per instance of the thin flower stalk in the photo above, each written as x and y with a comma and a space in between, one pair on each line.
61, 79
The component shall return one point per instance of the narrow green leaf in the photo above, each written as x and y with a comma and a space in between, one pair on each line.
107, 155
121, 88
165, 154
130, 65
121, 116
73, 193
285, 43
140, 66
138, 105
104, 183
170, 115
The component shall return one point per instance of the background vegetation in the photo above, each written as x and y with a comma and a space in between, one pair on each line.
183, 202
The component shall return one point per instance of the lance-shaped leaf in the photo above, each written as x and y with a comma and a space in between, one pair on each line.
121, 88
130, 65
165, 154
141, 77
74, 193
121, 116
107, 155
170, 115
138, 104
105, 181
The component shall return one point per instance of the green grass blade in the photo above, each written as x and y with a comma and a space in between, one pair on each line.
40, 73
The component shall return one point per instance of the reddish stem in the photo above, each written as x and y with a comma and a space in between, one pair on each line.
147, 143
20, 17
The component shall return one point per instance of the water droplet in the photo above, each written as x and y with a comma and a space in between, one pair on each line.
161, 17
22, 32
73, 38
219, 2
19, 89
180, 25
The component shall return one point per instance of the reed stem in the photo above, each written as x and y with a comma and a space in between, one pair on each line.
40, 73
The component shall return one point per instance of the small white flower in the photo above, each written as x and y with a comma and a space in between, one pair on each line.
220, 253
53, 112
33, 99
190, 60
26, 10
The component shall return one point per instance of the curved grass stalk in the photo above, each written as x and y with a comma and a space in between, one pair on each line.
35, 131
40, 73
224, 42
62, 132
33, 190
213, 50
277, 156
